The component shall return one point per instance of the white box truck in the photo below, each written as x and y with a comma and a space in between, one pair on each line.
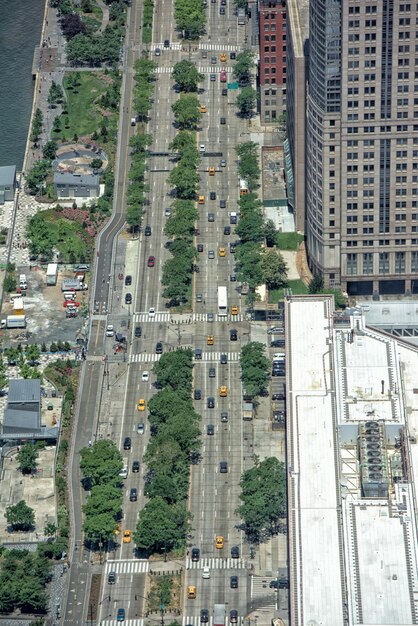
14, 321
52, 274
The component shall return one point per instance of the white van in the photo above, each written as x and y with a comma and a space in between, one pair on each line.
69, 296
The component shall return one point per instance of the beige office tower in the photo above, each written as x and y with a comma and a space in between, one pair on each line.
362, 145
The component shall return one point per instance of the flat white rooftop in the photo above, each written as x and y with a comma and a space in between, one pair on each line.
316, 572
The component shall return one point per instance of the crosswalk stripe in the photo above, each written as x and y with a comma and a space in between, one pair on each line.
216, 356
215, 563
158, 317
127, 622
202, 317
131, 566
195, 620
144, 358
220, 47
173, 46
203, 69
260, 589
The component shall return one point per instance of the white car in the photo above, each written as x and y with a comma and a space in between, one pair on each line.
140, 428
145, 377
202, 147
167, 212
206, 572
110, 331
223, 163
151, 312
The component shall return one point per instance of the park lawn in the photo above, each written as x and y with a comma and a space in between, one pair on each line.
84, 113
288, 241
298, 288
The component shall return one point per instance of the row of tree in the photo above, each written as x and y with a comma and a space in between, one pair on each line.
37, 123
263, 496
255, 368
256, 263
101, 465
147, 16
247, 98
139, 143
190, 18
175, 442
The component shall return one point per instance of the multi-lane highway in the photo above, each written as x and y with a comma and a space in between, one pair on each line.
111, 388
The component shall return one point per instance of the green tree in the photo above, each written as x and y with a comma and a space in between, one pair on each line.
49, 150
104, 498
270, 233
274, 269
190, 17
99, 528
101, 463
27, 457
248, 259
174, 371
186, 112
33, 354
241, 4
20, 516
50, 530
184, 141
185, 180
316, 284
250, 227
10, 283
181, 222
186, 75
96, 164
247, 101
244, 66
161, 526
263, 496
255, 368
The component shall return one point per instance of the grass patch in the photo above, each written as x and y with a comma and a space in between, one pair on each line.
298, 287
288, 241
147, 21
164, 590
85, 115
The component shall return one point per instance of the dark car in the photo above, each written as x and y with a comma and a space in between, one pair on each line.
211, 217
211, 403
278, 371
233, 56
151, 261
232, 278
127, 443
224, 359
135, 467
138, 331
195, 554
222, 121
204, 615
232, 247
212, 372
233, 334
277, 343
166, 43
133, 495
222, 204
223, 467
159, 348
197, 394
222, 11
128, 298
111, 578
212, 195
235, 552
233, 616
147, 231
233, 582
121, 615
200, 247
224, 416
227, 230
210, 429
224, 91
128, 281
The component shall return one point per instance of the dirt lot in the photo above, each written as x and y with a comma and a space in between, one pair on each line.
45, 314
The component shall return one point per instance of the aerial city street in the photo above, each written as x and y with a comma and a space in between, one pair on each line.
209, 324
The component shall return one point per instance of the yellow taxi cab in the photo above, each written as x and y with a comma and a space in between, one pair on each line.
222, 57
219, 542
234, 310
210, 340
127, 536
141, 404
191, 592
211, 171
203, 108
223, 391
201, 200
222, 252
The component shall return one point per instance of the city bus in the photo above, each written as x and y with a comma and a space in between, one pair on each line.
222, 301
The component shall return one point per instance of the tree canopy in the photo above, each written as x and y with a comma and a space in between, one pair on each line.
255, 368
187, 76
20, 516
190, 17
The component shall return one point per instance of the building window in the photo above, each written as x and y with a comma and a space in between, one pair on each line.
400, 263
351, 263
383, 262
414, 261
367, 263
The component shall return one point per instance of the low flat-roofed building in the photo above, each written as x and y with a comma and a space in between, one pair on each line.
352, 469
68, 185
7, 183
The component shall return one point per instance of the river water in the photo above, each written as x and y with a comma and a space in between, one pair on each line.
20, 32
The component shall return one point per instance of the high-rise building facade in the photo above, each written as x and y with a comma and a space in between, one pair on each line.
272, 14
362, 145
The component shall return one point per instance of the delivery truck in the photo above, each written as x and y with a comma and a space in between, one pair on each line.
72, 284
52, 274
219, 615
14, 321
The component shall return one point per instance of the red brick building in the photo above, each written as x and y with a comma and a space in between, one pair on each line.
272, 71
